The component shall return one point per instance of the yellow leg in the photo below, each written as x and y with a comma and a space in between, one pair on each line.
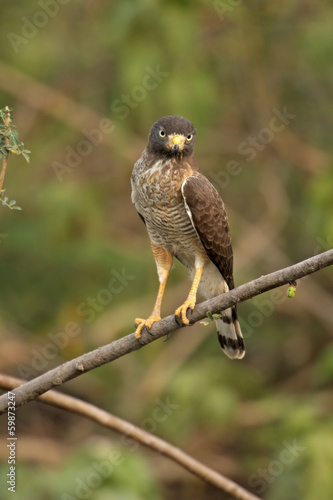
164, 261
192, 297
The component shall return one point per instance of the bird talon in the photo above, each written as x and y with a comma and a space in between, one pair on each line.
142, 323
182, 310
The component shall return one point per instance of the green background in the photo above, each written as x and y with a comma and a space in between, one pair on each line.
71, 69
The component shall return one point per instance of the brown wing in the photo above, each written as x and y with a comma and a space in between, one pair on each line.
209, 218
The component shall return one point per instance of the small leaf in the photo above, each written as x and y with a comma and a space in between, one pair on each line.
17, 142
16, 208
218, 316
209, 315
25, 156
210, 318
12, 203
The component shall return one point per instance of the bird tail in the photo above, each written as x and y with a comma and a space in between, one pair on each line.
229, 334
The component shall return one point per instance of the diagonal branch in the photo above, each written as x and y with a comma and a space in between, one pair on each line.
165, 326
102, 417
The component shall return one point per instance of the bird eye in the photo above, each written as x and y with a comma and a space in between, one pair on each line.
189, 138
162, 134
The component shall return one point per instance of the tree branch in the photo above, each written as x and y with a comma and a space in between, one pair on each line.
165, 326
102, 417
5, 159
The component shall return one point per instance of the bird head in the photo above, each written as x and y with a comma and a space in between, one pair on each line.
172, 136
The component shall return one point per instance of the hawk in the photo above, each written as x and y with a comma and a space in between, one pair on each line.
185, 218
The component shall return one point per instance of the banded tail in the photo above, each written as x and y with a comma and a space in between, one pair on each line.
229, 334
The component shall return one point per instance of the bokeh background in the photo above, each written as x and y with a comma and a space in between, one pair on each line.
86, 80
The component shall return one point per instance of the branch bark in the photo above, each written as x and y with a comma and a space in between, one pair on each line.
5, 159
165, 326
102, 417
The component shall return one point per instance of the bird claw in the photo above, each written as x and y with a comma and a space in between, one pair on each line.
182, 310
142, 323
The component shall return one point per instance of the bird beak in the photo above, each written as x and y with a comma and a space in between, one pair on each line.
176, 143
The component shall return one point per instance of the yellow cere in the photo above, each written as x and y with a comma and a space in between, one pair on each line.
176, 140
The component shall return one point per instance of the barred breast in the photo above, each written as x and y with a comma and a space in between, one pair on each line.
156, 193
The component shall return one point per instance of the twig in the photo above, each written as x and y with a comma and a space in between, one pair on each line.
165, 326
102, 417
5, 158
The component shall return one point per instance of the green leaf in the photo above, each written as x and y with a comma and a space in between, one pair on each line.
217, 316
26, 157
15, 139
209, 315
210, 318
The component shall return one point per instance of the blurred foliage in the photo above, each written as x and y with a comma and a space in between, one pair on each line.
86, 80
9, 143
9, 133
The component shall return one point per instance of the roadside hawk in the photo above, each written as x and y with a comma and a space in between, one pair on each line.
185, 218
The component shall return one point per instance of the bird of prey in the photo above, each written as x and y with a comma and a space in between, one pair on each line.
185, 218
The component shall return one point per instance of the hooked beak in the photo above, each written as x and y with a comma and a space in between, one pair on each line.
176, 143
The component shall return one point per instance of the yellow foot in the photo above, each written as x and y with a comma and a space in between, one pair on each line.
182, 310
141, 323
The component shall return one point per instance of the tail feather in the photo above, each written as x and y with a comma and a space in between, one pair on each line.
229, 334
